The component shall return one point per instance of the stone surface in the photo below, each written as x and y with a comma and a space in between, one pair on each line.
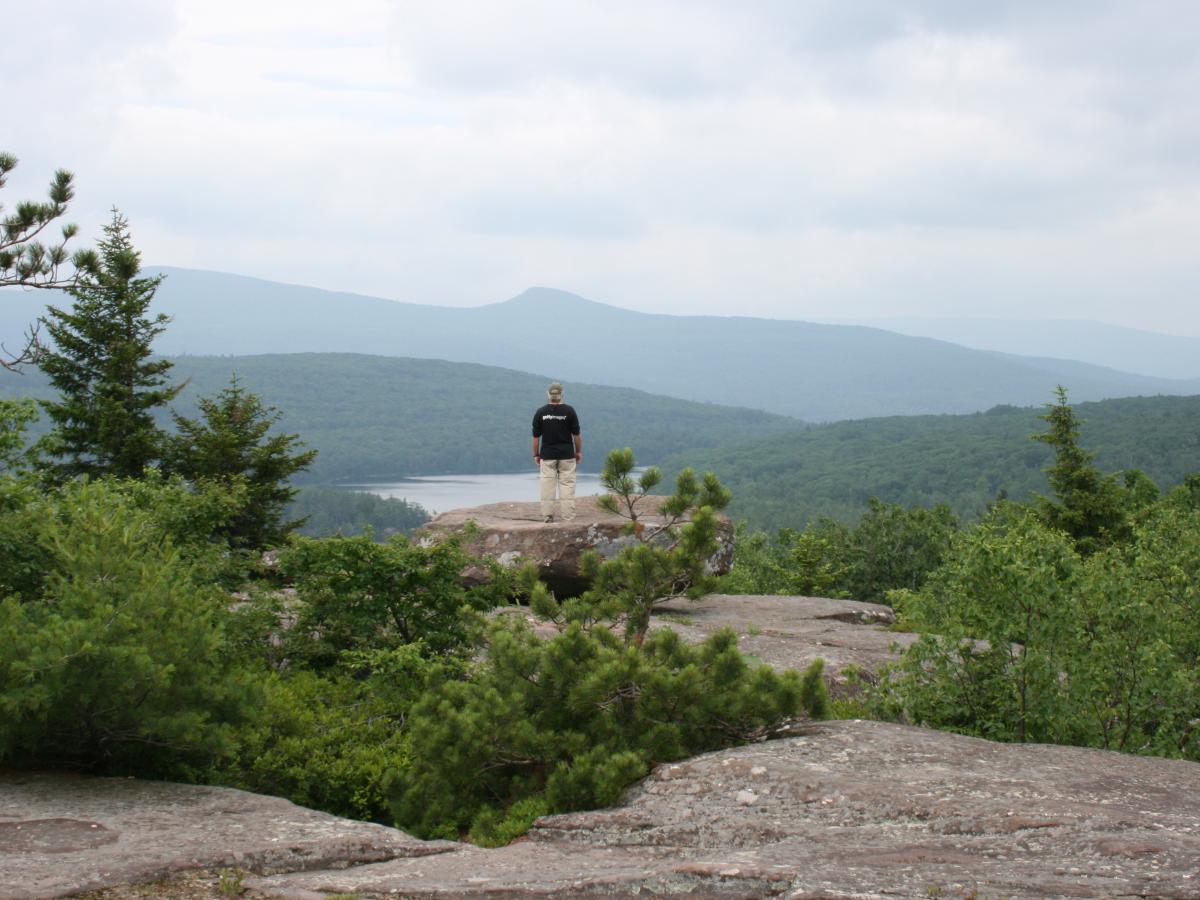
844, 809
785, 632
61, 835
848, 809
791, 632
515, 534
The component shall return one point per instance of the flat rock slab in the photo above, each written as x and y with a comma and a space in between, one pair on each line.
849, 809
514, 534
784, 632
62, 835
791, 632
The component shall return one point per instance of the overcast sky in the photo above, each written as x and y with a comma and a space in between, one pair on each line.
841, 158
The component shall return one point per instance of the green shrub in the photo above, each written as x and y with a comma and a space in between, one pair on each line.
574, 720
322, 742
357, 594
998, 618
115, 655
1030, 641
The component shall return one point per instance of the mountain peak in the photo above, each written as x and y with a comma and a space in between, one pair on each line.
551, 298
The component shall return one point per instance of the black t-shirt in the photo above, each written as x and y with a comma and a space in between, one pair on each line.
555, 423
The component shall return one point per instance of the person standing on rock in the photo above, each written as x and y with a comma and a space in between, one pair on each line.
557, 449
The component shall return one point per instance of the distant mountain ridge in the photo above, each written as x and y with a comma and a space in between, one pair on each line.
800, 369
1112, 346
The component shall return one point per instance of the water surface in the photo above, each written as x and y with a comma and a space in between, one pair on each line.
439, 493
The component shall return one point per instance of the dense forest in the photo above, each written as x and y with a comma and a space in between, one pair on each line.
380, 418
965, 462
1070, 619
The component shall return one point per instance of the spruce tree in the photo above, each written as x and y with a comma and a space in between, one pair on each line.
231, 442
1089, 505
100, 361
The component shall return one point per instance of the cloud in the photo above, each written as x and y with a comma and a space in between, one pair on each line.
773, 158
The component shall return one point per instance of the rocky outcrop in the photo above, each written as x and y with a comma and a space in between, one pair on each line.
514, 534
844, 809
61, 835
849, 809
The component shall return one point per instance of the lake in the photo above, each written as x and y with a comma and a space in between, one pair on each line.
439, 493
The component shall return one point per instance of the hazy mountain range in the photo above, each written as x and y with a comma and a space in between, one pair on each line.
817, 372
1126, 349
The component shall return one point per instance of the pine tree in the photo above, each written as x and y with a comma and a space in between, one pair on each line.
232, 443
100, 362
26, 261
668, 560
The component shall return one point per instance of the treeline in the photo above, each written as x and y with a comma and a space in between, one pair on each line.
966, 462
327, 511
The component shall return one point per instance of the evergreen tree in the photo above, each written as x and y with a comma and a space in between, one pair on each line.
1090, 506
231, 443
101, 364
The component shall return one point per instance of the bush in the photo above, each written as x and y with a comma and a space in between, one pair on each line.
999, 618
321, 742
570, 722
1031, 641
116, 658
357, 594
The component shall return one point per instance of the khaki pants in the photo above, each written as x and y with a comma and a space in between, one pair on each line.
557, 474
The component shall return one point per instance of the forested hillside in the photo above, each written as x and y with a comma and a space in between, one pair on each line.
377, 417
964, 461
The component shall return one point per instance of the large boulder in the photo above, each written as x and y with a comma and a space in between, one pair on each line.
514, 534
